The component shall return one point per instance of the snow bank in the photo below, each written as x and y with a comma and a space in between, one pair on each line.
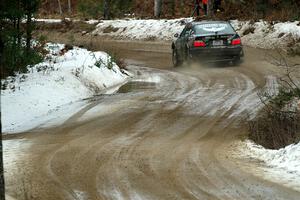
141, 29
51, 21
259, 34
281, 165
268, 35
55, 88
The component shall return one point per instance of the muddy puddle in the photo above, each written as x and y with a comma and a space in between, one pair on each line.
136, 86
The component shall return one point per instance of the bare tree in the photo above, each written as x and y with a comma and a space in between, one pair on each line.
69, 7
209, 7
278, 123
181, 7
172, 6
106, 10
59, 7
157, 8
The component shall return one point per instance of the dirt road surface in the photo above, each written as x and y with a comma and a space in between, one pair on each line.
167, 134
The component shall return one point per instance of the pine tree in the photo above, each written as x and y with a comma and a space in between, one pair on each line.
30, 7
14, 56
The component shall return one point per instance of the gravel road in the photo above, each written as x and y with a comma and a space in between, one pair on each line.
167, 134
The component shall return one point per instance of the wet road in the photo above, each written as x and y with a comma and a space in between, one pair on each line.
165, 135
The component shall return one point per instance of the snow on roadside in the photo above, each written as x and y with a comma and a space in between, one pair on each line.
149, 29
282, 166
51, 21
53, 89
262, 35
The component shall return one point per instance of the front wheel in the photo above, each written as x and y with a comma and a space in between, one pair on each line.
175, 59
188, 57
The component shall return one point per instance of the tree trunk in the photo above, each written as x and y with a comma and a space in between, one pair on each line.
173, 7
19, 34
69, 7
157, 8
182, 7
59, 7
2, 188
19, 31
106, 10
28, 31
209, 8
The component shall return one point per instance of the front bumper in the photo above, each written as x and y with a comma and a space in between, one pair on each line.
216, 53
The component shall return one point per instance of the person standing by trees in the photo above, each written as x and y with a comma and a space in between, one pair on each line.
217, 5
197, 7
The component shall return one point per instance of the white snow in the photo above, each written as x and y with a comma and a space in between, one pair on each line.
53, 90
282, 166
268, 35
92, 21
50, 21
142, 29
265, 35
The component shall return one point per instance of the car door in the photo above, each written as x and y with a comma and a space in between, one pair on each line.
182, 41
178, 43
187, 37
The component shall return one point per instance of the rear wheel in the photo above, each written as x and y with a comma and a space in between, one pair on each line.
237, 60
175, 59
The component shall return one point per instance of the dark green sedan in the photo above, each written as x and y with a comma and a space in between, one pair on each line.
207, 41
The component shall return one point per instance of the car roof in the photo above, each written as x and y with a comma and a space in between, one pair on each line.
208, 22
195, 23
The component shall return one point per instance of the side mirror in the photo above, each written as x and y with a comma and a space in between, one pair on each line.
176, 35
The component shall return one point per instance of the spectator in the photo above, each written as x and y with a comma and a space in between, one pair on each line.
197, 7
217, 5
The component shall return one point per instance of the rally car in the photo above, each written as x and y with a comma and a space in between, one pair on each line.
207, 41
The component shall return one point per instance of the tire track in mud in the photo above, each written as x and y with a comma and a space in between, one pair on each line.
128, 151
167, 141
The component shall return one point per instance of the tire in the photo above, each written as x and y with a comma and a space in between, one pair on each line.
242, 53
237, 60
176, 61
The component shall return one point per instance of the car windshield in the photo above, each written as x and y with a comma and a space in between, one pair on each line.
213, 28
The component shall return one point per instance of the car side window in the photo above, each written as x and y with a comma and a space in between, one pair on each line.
188, 32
